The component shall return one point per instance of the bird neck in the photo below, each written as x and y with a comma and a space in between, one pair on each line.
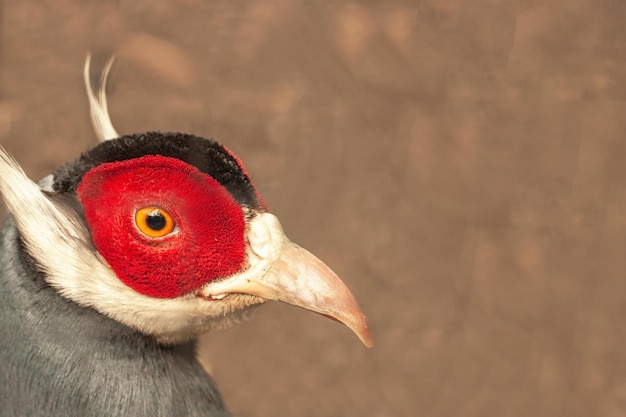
25, 295
29, 302
71, 355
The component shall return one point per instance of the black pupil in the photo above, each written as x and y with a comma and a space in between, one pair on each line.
156, 221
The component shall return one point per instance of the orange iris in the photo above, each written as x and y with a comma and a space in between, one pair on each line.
154, 222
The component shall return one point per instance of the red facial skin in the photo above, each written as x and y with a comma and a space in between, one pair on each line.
207, 242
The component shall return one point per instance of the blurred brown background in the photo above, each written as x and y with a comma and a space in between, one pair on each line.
461, 164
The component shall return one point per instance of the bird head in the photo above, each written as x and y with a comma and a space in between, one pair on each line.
165, 233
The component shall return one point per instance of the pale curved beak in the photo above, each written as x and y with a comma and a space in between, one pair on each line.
281, 270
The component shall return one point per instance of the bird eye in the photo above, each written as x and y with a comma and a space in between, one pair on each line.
154, 222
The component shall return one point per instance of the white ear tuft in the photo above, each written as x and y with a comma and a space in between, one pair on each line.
98, 101
43, 223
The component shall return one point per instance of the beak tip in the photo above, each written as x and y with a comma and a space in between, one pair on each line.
358, 324
366, 338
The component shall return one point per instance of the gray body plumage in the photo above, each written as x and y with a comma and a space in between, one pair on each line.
60, 359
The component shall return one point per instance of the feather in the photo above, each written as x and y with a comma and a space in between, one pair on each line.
98, 109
